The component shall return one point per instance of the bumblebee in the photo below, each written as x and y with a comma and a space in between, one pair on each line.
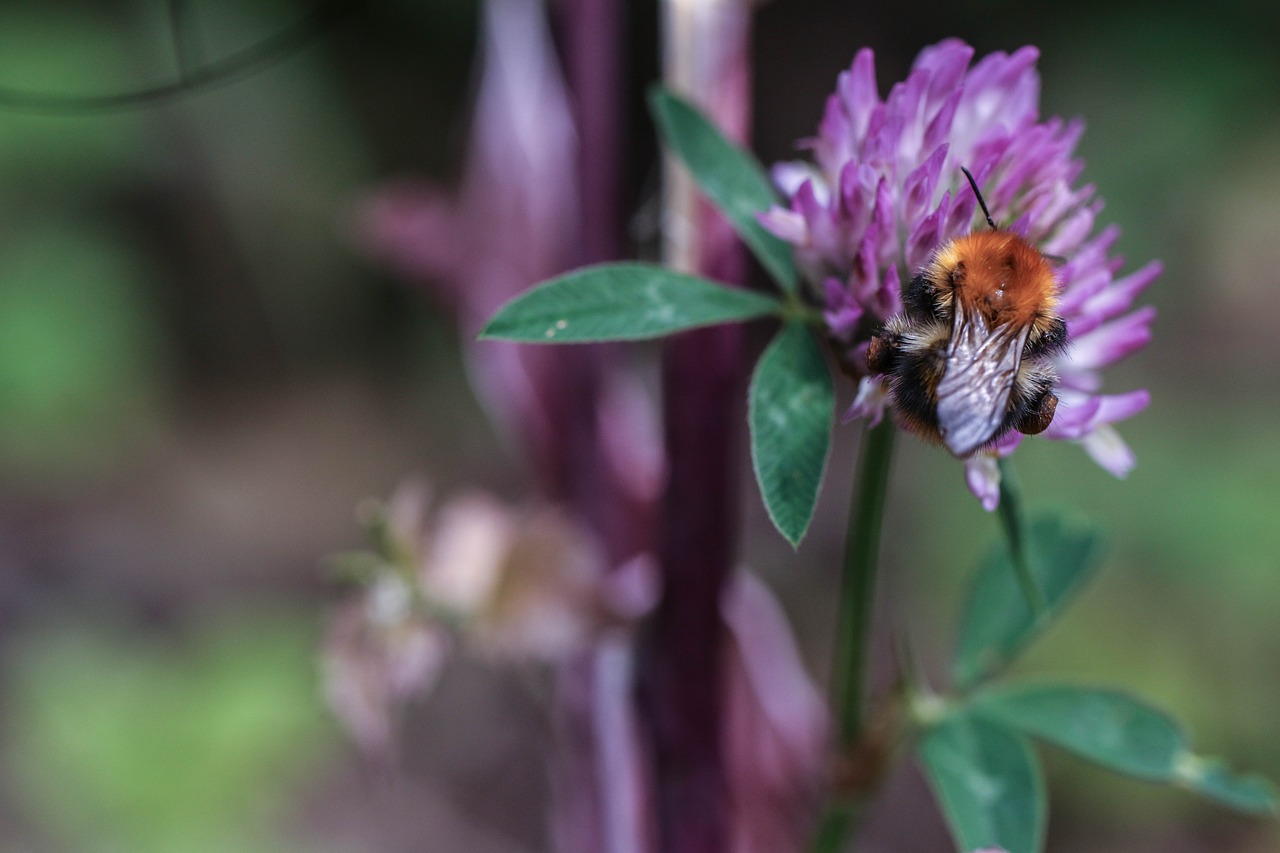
967, 360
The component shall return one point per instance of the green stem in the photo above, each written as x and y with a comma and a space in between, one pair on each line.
836, 823
853, 628
793, 308
1015, 533
862, 548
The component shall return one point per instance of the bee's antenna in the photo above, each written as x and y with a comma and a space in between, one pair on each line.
981, 200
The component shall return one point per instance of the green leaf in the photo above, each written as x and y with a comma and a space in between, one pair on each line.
988, 781
622, 302
730, 178
1124, 734
1209, 777
1105, 726
997, 623
791, 406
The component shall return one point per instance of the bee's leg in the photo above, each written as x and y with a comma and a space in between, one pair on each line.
1039, 415
882, 353
919, 300
916, 372
1051, 342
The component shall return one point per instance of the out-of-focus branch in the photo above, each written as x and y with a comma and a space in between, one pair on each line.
681, 676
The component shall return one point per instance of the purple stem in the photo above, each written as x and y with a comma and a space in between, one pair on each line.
591, 40
594, 59
681, 665
681, 678
601, 802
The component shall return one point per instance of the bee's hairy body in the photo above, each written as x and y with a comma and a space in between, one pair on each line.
968, 358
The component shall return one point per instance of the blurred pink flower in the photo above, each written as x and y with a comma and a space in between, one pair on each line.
588, 431
775, 734
377, 654
505, 584
524, 585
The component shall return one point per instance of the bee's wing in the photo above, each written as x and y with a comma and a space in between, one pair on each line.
973, 394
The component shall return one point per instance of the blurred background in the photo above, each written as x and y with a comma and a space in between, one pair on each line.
201, 376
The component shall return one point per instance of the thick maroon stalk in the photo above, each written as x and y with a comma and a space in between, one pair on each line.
594, 59
600, 779
681, 663
681, 672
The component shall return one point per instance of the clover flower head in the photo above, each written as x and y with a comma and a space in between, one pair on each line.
885, 189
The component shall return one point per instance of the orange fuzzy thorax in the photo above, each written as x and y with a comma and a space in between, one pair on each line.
996, 275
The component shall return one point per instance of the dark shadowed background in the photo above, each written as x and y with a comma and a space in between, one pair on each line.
201, 376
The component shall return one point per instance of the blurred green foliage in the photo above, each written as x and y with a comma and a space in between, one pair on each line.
194, 743
81, 351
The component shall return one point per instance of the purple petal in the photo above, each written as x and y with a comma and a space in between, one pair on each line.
810, 200
1056, 204
1118, 407
1074, 417
1019, 79
870, 402
842, 312
940, 125
960, 216
785, 224
981, 155
858, 185
924, 238
515, 218
884, 131
1027, 157
889, 300
946, 62
908, 102
1120, 295
1105, 447
1112, 341
1086, 284
1020, 226
788, 177
1081, 379
1070, 234
982, 476
858, 93
884, 224
1090, 424
919, 186
823, 236
1008, 70
1078, 416
864, 274
1000, 91
1006, 444
1090, 282
1091, 256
